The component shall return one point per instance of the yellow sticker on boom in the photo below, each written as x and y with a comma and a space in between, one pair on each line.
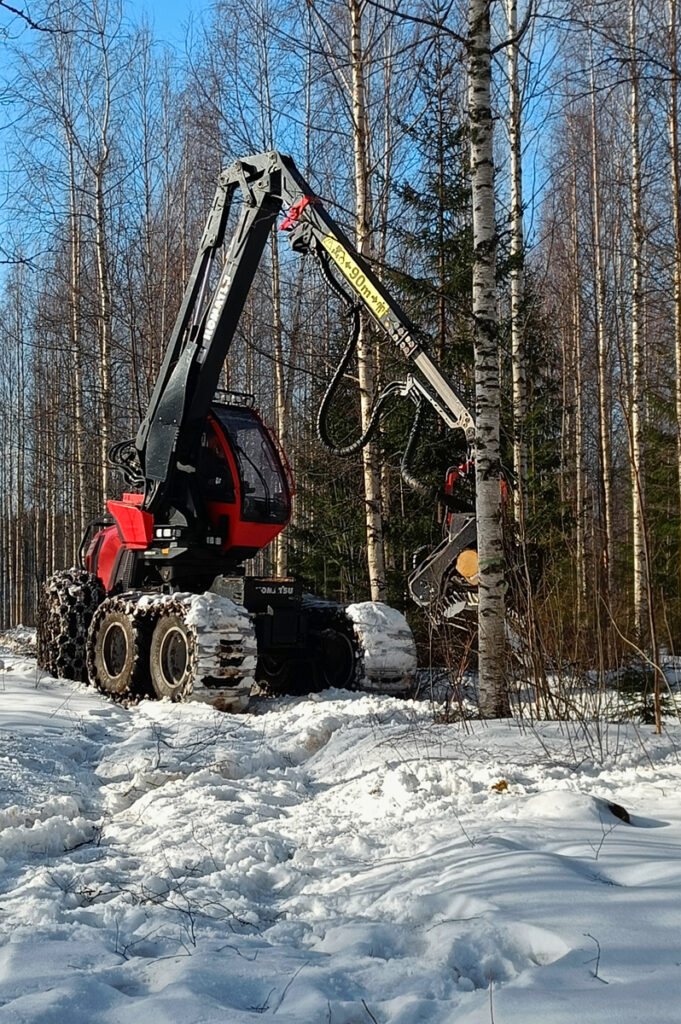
349, 269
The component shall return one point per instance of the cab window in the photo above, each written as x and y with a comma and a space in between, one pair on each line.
265, 493
213, 468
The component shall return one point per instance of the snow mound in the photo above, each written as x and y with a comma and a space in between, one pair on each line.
564, 805
19, 640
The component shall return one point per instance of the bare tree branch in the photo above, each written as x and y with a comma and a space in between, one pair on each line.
436, 23
26, 18
519, 34
439, 24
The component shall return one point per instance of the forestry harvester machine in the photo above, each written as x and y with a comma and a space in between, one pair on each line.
161, 605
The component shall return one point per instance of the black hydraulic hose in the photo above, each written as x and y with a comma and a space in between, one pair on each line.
405, 472
322, 416
333, 283
123, 456
361, 441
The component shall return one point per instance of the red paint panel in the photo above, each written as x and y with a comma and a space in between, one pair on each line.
241, 533
102, 554
136, 526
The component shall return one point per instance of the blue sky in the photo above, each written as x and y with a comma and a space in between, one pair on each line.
169, 17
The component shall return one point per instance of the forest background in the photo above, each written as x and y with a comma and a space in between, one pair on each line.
113, 142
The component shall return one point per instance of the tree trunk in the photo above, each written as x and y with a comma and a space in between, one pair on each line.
676, 208
492, 641
602, 344
280, 409
101, 248
637, 355
80, 510
365, 356
580, 546
20, 595
517, 270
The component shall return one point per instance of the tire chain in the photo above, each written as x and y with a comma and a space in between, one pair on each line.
143, 621
68, 601
226, 647
388, 653
222, 649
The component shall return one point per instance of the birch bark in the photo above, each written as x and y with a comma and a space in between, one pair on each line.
80, 511
580, 546
493, 700
517, 267
605, 482
280, 404
365, 357
103, 285
637, 354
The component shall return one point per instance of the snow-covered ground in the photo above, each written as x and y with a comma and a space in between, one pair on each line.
334, 860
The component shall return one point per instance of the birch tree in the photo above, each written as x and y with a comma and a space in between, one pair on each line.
365, 357
636, 410
604, 432
493, 700
675, 180
517, 254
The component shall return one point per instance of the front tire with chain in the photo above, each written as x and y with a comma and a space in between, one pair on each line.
118, 646
68, 601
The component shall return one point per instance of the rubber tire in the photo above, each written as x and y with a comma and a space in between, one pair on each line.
115, 645
291, 677
333, 662
338, 658
67, 604
172, 639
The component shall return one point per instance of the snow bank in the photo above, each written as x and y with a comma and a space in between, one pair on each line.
19, 639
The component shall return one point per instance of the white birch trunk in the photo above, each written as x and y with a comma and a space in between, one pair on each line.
102, 255
602, 343
580, 546
280, 410
517, 269
365, 360
492, 641
101, 248
76, 348
637, 354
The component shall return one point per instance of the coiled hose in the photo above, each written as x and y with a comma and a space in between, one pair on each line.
392, 389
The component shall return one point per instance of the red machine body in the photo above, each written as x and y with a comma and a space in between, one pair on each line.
246, 478
242, 481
